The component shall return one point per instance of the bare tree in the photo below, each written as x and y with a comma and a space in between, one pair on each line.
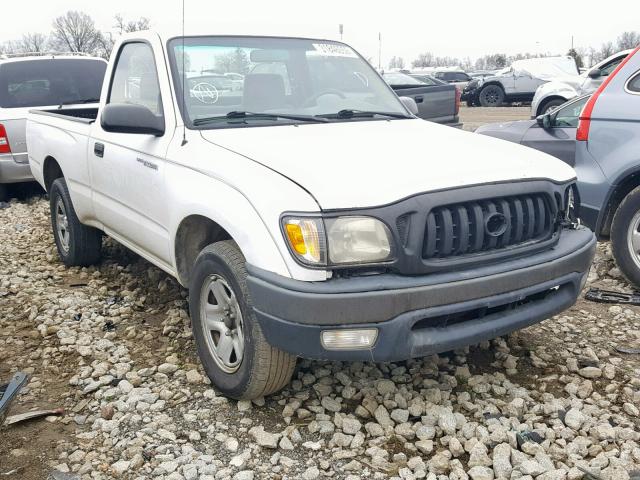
10, 47
606, 50
34, 42
396, 62
76, 32
628, 40
127, 26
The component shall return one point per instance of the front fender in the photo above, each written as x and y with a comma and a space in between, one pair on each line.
248, 209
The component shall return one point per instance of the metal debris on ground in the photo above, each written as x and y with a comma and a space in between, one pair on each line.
9, 392
627, 350
23, 417
609, 296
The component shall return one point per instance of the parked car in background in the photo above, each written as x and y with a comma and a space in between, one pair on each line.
325, 223
608, 163
39, 81
457, 78
553, 133
549, 95
518, 82
436, 100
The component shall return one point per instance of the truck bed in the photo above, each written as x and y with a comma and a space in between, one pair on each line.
436, 103
83, 115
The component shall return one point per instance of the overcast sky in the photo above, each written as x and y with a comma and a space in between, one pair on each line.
459, 29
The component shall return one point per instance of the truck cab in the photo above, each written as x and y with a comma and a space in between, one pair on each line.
302, 211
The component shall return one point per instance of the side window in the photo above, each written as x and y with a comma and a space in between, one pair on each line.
135, 79
611, 66
634, 84
568, 116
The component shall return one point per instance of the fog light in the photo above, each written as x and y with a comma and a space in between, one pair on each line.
349, 339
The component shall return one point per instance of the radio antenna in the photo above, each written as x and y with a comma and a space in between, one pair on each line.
184, 74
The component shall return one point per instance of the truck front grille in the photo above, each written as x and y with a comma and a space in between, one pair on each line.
487, 225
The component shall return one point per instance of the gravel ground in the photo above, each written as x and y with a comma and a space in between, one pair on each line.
112, 345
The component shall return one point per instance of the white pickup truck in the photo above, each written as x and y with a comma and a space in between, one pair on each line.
302, 210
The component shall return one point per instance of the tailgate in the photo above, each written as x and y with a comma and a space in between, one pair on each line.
436, 103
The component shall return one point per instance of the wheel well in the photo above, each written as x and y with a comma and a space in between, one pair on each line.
50, 172
547, 100
194, 233
497, 84
622, 190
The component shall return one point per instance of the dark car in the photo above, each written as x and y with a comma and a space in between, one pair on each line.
436, 100
553, 133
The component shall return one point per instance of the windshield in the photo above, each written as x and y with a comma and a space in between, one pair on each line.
401, 79
37, 83
293, 77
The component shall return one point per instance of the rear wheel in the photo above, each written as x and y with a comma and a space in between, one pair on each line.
4, 192
78, 245
230, 342
550, 105
625, 236
491, 96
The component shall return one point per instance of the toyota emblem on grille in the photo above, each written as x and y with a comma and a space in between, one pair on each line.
495, 224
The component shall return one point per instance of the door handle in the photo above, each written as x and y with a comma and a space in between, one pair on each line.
98, 149
419, 99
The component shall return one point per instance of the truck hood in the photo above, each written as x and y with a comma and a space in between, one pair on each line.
372, 163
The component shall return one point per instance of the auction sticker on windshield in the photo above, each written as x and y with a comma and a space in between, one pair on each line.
334, 50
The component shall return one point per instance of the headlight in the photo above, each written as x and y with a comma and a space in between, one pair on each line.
358, 240
571, 204
338, 241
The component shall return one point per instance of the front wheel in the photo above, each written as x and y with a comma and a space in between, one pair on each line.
491, 96
78, 245
625, 236
229, 340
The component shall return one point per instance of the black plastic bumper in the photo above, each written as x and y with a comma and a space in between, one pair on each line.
422, 315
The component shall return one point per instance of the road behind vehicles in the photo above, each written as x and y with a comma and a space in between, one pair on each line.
39, 81
553, 133
301, 218
518, 82
608, 163
554, 93
436, 101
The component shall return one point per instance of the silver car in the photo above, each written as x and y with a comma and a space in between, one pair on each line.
43, 81
553, 133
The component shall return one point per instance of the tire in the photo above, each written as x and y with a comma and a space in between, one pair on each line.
253, 368
491, 96
626, 225
78, 245
549, 105
4, 192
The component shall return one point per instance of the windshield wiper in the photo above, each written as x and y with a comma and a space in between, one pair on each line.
241, 115
79, 102
349, 113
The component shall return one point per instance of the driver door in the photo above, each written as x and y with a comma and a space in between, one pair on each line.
128, 169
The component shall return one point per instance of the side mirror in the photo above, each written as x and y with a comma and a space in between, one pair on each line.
411, 104
544, 121
130, 118
595, 73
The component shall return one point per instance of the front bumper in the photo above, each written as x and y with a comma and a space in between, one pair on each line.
12, 171
422, 315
